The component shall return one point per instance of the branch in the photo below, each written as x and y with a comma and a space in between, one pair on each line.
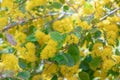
112, 12
13, 24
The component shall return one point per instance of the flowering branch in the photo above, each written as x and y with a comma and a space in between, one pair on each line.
112, 12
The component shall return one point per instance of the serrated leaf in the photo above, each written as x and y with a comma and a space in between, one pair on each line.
95, 62
84, 76
24, 75
73, 50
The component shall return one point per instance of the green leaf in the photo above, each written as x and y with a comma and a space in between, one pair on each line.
84, 76
64, 59
95, 62
31, 38
22, 63
69, 59
84, 64
73, 50
56, 5
54, 77
97, 34
56, 36
117, 52
88, 5
24, 75
59, 59
65, 8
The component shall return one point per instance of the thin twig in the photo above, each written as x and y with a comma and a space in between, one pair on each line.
112, 12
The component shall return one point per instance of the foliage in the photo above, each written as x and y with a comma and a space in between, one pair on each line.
59, 39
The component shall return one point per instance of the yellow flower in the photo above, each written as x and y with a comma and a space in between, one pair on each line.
88, 9
107, 64
107, 52
101, 74
36, 77
20, 37
4, 22
111, 41
8, 4
112, 35
30, 53
97, 49
50, 69
116, 58
111, 27
85, 25
50, 50
10, 62
1, 66
72, 39
68, 71
64, 25
41, 77
31, 3
42, 38
39, 23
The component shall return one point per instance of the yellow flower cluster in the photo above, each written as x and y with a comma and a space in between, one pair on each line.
50, 69
88, 9
111, 29
31, 3
20, 37
42, 38
39, 23
72, 39
83, 24
27, 52
105, 52
8, 4
101, 74
10, 62
30, 53
69, 72
107, 64
50, 50
116, 58
64, 25
4, 22
97, 49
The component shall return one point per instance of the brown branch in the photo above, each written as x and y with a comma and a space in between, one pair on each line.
22, 21
112, 12
13, 24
